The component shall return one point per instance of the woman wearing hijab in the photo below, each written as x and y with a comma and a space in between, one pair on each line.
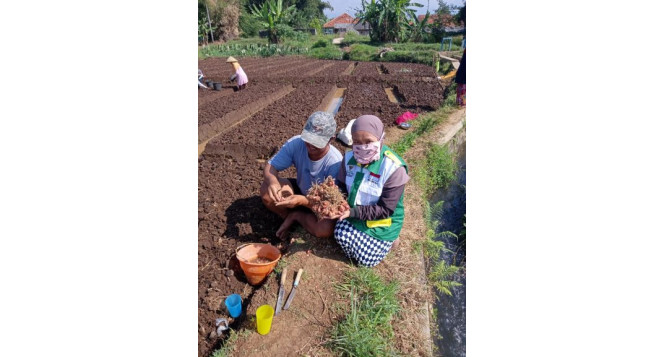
374, 179
239, 74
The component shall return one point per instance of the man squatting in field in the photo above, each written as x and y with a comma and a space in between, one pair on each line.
314, 159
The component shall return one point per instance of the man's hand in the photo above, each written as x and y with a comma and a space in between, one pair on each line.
274, 191
292, 201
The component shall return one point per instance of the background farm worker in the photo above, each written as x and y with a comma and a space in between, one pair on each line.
314, 159
200, 79
239, 74
374, 178
460, 80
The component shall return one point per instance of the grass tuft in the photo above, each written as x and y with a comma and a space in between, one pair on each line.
437, 171
331, 52
422, 125
423, 57
229, 346
367, 328
363, 52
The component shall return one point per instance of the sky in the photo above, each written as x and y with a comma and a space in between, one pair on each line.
341, 6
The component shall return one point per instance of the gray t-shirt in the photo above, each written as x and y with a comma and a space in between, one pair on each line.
294, 152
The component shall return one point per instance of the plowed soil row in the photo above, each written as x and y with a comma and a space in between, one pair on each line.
410, 69
368, 98
217, 67
206, 96
293, 69
426, 96
272, 126
216, 109
266, 71
233, 118
366, 69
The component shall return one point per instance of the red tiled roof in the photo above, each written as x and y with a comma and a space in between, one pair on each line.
341, 19
447, 20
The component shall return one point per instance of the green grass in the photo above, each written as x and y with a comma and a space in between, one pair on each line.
351, 38
281, 264
367, 328
423, 57
412, 46
445, 67
450, 99
326, 53
363, 52
229, 345
437, 171
322, 43
321, 47
422, 125
256, 46
430, 246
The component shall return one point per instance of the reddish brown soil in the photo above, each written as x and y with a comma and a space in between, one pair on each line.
216, 108
420, 96
230, 212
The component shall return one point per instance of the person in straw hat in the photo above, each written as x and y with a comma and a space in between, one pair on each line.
239, 75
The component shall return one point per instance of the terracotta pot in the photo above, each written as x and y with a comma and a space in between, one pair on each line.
247, 256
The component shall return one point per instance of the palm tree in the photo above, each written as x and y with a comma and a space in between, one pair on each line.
271, 14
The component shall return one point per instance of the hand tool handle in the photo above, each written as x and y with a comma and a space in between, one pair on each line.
297, 278
283, 277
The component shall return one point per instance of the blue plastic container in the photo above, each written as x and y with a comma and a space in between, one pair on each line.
234, 305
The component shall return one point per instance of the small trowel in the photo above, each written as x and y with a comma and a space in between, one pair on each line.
292, 293
280, 299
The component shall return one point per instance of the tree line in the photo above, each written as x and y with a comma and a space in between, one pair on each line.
390, 20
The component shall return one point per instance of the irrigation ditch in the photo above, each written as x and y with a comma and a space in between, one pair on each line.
450, 310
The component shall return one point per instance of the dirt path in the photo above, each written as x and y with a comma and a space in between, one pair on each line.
305, 327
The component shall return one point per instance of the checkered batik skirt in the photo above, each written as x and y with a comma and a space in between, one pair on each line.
461, 95
359, 246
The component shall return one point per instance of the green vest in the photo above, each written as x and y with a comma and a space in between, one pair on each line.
386, 229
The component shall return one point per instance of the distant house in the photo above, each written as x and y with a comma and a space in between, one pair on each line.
447, 21
345, 23
362, 28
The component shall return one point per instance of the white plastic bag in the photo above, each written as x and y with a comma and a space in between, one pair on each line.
344, 134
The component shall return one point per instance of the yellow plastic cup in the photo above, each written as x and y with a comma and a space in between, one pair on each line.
264, 315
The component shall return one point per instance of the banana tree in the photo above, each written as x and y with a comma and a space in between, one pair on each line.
271, 14
389, 19
418, 29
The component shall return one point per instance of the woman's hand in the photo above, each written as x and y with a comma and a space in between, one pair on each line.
345, 214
